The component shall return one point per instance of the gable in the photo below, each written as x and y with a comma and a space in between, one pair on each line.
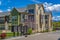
14, 12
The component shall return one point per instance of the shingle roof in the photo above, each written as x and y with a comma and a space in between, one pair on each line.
4, 13
21, 9
47, 13
8, 13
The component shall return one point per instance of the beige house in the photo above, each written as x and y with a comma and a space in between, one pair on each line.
34, 17
41, 22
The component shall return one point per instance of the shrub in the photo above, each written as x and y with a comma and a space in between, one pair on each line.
29, 31
54, 28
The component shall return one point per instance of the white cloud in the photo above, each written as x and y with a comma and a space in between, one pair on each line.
1, 11
47, 4
0, 2
8, 9
56, 18
51, 7
36, 1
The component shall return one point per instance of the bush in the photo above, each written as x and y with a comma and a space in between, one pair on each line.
29, 31
9, 34
54, 28
45, 31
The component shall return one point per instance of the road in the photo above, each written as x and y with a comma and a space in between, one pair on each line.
43, 36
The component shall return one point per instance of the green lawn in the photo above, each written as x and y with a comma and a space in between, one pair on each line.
10, 34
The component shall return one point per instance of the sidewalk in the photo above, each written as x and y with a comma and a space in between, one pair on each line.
14, 38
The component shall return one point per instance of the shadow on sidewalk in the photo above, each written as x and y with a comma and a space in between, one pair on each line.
58, 38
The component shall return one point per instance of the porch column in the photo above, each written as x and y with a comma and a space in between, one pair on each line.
6, 25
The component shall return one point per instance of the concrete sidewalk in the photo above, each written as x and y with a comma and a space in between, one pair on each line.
15, 38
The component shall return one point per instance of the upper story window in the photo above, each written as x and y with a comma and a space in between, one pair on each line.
2, 21
31, 11
14, 18
46, 16
23, 16
2, 27
38, 7
31, 18
41, 19
46, 22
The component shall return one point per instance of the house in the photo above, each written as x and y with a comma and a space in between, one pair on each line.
34, 16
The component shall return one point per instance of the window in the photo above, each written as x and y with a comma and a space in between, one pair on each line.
39, 7
40, 11
14, 17
42, 19
46, 16
31, 18
23, 18
2, 27
2, 21
31, 11
46, 22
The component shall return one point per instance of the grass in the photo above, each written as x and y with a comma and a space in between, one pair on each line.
10, 34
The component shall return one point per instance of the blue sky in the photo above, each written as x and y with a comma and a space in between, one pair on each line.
50, 5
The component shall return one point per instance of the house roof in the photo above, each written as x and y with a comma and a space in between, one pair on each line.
4, 14
21, 9
48, 13
30, 14
23, 13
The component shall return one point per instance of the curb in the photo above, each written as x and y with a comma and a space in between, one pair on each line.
14, 38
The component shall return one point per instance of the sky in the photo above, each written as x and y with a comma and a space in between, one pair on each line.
49, 5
